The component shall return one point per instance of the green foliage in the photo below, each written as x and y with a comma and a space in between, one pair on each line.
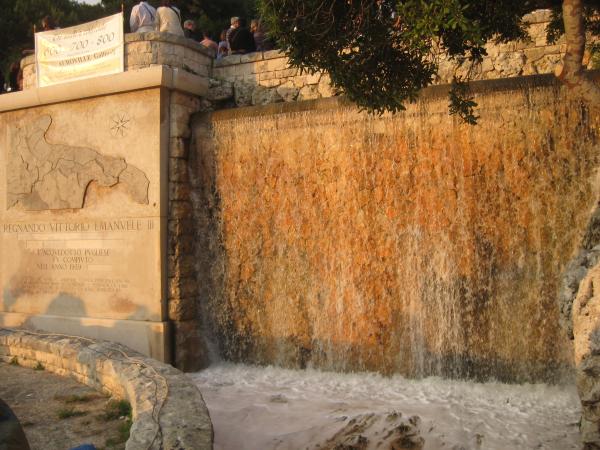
124, 431
115, 409
381, 53
67, 413
461, 101
85, 398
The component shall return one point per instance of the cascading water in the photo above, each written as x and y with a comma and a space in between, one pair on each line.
410, 244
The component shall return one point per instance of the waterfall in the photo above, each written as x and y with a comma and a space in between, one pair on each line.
410, 244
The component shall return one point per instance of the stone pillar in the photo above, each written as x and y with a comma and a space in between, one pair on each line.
182, 283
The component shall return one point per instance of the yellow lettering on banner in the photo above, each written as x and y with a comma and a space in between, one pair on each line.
83, 51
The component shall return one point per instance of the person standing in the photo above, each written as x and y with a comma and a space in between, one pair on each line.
48, 24
142, 19
263, 43
189, 30
241, 40
168, 18
235, 23
223, 48
15, 77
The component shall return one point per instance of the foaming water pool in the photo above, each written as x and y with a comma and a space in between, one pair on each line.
262, 408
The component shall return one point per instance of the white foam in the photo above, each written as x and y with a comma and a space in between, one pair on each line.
262, 408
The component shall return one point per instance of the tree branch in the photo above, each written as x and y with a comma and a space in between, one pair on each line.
571, 71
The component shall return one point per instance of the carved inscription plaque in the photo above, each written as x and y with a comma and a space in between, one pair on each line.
91, 268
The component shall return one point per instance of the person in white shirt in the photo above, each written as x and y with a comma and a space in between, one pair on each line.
168, 19
142, 19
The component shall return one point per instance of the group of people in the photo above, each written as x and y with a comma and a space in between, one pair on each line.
237, 39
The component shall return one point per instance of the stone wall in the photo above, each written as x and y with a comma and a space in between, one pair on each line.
168, 410
262, 78
407, 243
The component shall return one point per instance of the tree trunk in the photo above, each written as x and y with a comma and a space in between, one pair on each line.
571, 72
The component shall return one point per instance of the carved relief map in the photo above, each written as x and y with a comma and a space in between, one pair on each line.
45, 176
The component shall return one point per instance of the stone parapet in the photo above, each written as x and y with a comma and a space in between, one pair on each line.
263, 78
168, 410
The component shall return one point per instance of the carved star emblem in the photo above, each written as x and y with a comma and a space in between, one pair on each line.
120, 125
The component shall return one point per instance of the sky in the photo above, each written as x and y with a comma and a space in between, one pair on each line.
89, 2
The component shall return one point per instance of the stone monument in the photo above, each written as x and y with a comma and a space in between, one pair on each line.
84, 198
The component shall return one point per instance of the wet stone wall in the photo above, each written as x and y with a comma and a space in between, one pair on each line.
409, 244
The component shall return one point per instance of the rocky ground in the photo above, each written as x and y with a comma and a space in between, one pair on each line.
58, 413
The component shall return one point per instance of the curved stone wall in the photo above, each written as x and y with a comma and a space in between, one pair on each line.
168, 410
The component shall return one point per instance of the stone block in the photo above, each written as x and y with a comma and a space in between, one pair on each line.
251, 57
538, 16
547, 63
309, 92
179, 191
178, 147
138, 47
190, 353
313, 78
183, 226
273, 54
182, 288
191, 102
180, 266
288, 91
180, 128
220, 90
324, 87
230, 60
178, 170
510, 64
181, 309
534, 54
270, 83
179, 244
285, 73
276, 64
260, 67
264, 96
243, 93
180, 209
264, 76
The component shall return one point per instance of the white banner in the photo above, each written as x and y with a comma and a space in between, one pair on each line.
83, 51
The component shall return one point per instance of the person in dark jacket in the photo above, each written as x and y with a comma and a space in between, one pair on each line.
12, 436
241, 39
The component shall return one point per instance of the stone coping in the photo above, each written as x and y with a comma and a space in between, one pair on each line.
132, 80
152, 36
168, 410
169, 38
248, 58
